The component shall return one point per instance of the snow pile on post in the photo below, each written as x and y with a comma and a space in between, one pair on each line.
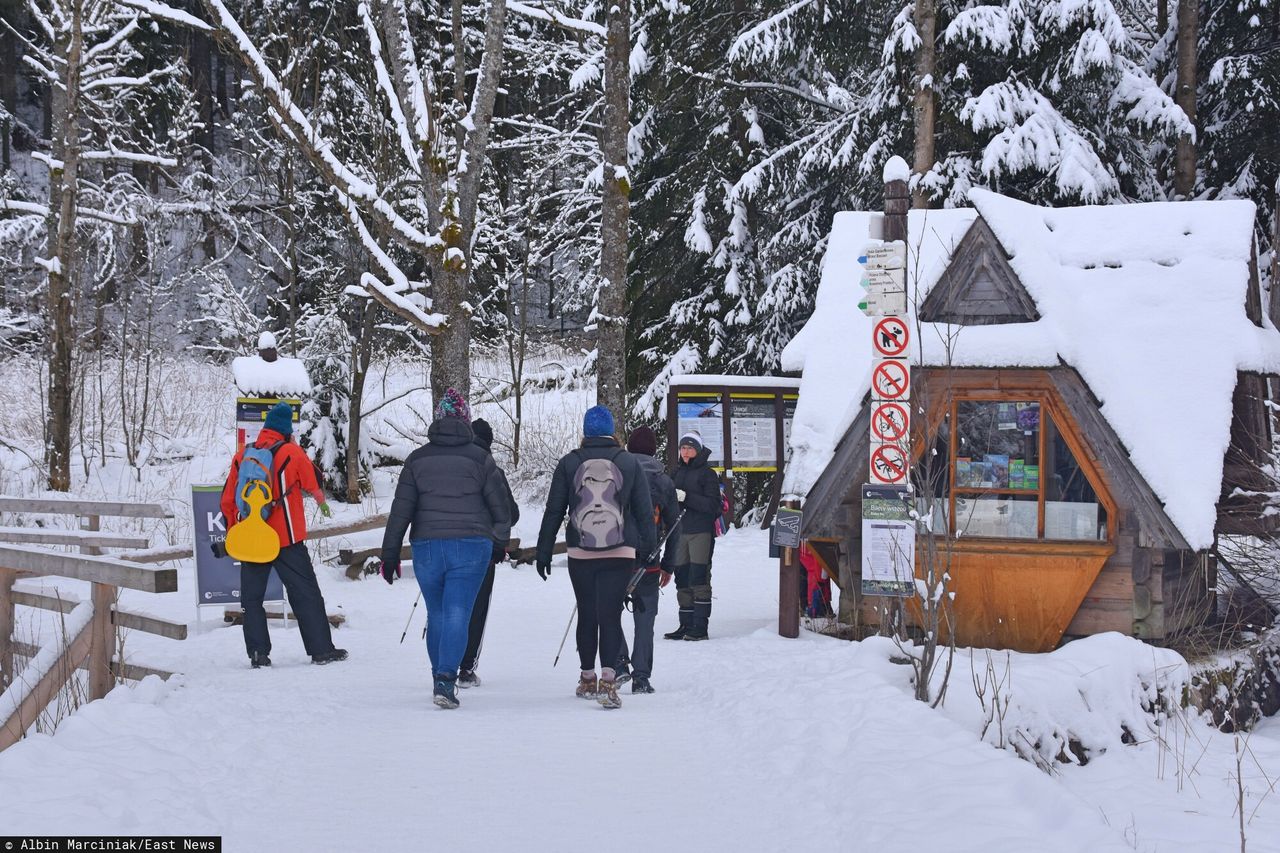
284, 377
1146, 301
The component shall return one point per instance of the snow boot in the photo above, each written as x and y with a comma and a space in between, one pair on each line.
701, 616
331, 656
257, 660
468, 678
607, 694
446, 692
588, 686
640, 684
686, 625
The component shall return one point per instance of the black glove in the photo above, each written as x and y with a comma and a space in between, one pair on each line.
390, 571
499, 554
219, 548
544, 569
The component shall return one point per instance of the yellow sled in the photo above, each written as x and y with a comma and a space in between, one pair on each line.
253, 540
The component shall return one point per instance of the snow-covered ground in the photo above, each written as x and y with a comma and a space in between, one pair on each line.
752, 742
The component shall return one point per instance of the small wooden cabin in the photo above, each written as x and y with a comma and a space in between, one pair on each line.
1089, 393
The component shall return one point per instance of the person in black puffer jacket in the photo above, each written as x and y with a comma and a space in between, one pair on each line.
480, 613
643, 444
606, 495
698, 490
453, 501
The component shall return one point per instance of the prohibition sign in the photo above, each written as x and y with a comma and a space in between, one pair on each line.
890, 337
889, 422
890, 380
888, 464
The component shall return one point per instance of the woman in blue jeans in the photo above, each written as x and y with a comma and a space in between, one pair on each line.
452, 501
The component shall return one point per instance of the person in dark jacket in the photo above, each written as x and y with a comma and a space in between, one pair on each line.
698, 490
453, 501
643, 444
480, 612
292, 475
606, 495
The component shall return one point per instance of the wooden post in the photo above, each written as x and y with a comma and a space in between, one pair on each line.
7, 577
102, 638
789, 590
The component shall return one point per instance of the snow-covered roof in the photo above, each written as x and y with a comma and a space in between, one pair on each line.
735, 381
282, 377
1146, 301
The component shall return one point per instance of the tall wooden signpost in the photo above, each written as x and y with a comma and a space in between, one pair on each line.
888, 531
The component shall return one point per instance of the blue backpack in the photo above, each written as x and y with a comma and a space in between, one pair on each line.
255, 473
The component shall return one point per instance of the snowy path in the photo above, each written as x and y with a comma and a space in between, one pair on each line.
752, 743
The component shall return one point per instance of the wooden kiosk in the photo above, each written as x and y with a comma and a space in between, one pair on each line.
1062, 492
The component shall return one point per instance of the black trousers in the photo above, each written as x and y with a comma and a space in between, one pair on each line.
479, 615
300, 584
599, 586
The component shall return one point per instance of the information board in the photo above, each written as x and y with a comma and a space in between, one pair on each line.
753, 426
888, 541
218, 578
252, 411
703, 414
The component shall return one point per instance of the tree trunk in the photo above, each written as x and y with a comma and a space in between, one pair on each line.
923, 104
63, 254
1184, 174
611, 341
451, 348
200, 60
8, 96
1162, 17
361, 355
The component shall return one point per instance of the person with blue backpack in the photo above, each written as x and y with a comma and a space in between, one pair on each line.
606, 496
274, 464
701, 499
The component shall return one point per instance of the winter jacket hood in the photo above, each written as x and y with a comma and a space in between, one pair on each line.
450, 432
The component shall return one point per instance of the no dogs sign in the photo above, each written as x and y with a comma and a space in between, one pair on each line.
890, 337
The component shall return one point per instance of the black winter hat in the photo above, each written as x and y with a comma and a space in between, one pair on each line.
642, 440
483, 433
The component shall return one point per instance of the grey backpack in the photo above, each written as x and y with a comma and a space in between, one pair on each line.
598, 514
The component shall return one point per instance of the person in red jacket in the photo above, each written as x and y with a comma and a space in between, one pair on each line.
292, 474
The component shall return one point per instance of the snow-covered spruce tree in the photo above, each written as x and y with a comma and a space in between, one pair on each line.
84, 51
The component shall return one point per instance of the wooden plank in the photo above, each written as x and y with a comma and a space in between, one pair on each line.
52, 536
108, 570
72, 506
1099, 616
46, 689
130, 671
7, 577
325, 531
119, 618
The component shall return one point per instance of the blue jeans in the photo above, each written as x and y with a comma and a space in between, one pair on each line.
450, 572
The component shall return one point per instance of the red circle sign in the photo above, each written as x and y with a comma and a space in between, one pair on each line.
890, 380
890, 337
889, 422
889, 464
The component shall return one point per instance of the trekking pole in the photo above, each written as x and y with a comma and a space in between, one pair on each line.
572, 616
653, 558
411, 612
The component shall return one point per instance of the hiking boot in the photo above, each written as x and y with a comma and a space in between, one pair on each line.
686, 625
445, 694
607, 694
257, 660
623, 677
468, 678
640, 684
677, 634
331, 656
588, 686
695, 634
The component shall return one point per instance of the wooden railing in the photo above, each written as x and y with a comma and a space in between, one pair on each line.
93, 645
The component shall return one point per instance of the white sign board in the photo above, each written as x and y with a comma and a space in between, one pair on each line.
888, 541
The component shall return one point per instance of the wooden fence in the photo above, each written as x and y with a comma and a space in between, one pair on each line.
93, 646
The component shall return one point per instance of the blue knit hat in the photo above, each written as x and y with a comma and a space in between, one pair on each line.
597, 421
452, 405
280, 419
